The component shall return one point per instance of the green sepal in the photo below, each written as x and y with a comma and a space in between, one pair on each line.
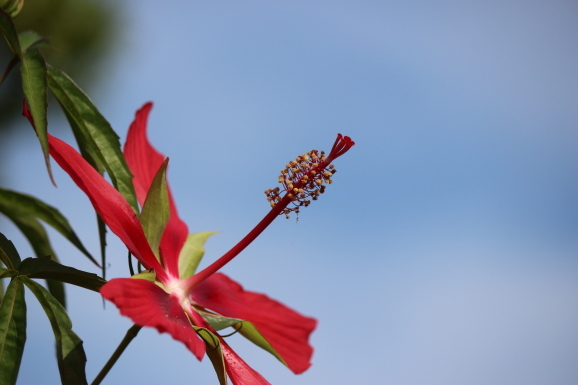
9, 32
69, 351
214, 351
35, 85
148, 275
8, 254
217, 321
14, 205
93, 132
12, 331
245, 328
45, 268
192, 253
156, 210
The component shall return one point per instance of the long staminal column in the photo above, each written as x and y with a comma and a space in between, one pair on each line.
302, 178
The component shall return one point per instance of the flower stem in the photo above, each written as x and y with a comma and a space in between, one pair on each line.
130, 334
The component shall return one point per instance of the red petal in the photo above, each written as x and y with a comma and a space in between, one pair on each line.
107, 201
148, 305
286, 330
239, 372
144, 161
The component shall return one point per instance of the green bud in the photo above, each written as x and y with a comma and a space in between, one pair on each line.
12, 7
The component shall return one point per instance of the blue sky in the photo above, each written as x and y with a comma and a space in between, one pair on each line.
444, 252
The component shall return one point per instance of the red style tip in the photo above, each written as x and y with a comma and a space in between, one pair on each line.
341, 146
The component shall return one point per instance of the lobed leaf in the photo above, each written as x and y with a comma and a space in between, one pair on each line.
69, 351
12, 331
47, 269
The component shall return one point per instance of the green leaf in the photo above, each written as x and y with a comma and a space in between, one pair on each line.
94, 134
36, 235
7, 273
8, 253
12, 331
35, 85
245, 328
15, 204
69, 351
156, 211
47, 269
214, 352
30, 39
9, 32
192, 253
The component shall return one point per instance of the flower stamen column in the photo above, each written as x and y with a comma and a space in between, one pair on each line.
302, 178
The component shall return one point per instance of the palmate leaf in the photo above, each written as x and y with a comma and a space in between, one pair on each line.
94, 134
14, 204
69, 351
12, 331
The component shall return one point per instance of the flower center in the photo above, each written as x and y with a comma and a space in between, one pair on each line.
178, 288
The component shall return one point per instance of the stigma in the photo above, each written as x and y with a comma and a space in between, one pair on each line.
305, 178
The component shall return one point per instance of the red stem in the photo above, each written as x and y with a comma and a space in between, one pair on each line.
246, 241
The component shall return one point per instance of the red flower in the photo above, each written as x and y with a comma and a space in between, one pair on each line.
191, 308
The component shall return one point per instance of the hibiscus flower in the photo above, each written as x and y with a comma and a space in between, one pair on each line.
170, 296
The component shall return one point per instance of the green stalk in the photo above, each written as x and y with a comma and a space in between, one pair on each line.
130, 334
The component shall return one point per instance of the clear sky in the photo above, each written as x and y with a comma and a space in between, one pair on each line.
445, 252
